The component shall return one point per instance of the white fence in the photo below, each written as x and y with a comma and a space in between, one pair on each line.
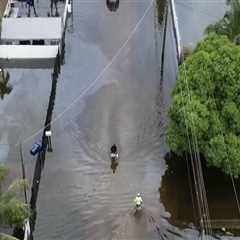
176, 29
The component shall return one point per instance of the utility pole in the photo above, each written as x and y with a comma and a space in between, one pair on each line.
164, 40
23, 172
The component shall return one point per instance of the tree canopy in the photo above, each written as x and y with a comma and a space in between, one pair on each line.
13, 211
229, 25
205, 104
5, 87
7, 237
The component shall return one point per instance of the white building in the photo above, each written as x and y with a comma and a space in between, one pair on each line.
30, 42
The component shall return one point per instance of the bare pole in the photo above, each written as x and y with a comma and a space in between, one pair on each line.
23, 172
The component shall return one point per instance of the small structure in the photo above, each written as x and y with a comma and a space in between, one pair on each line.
31, 31
36, 45
48, 135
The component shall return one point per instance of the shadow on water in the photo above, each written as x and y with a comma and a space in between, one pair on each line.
177, 195
112, 5
114, 165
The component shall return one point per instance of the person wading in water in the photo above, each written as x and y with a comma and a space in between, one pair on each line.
114, 157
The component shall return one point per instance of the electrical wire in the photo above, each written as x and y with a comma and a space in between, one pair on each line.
130, 36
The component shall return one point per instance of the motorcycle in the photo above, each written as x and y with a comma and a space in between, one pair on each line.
114, 156
138, 208
138, 203
114, 153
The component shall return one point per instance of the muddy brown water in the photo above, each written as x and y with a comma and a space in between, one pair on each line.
80, 197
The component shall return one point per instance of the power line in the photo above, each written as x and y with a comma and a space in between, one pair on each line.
130, 36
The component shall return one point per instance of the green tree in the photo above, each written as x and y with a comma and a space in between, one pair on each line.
7, 237
205, 105
12, 210
161, 9
5, 87
230, 24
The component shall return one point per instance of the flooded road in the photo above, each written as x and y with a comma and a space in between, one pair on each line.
109, 91
80, 197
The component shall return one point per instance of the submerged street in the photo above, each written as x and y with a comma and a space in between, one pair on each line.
87, 200
108, 92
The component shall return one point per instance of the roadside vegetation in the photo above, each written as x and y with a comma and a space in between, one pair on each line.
161, 9
205, 105
7, 237
229, 25
13, 211
5, 87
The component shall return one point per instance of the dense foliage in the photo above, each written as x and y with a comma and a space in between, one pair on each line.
205, 104
5, 87
12, 210
6, 237
229, 25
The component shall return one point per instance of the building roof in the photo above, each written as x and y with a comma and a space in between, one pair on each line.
31, 28
27, 56
27, 52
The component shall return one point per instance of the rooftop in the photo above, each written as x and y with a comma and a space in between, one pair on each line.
37, 28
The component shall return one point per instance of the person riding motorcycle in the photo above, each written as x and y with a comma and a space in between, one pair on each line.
114, 154
138, 201
114, 148
114, 157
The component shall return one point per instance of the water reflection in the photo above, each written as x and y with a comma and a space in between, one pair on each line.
5, 87
114, 165
177, 195
175, 191
31, 5
112, 5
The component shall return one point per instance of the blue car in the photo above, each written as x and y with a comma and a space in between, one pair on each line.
36, 148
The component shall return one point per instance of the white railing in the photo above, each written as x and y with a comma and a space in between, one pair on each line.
176, 28
67, 9
27, 230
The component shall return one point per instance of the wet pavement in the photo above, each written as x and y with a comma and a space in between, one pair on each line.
109, 91
91, 202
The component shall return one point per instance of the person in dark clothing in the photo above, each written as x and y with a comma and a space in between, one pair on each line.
30, 4
114, 148
112, 5
56, 8
114, 157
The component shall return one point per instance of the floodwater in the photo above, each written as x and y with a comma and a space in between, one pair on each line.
109, 91
182, 204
